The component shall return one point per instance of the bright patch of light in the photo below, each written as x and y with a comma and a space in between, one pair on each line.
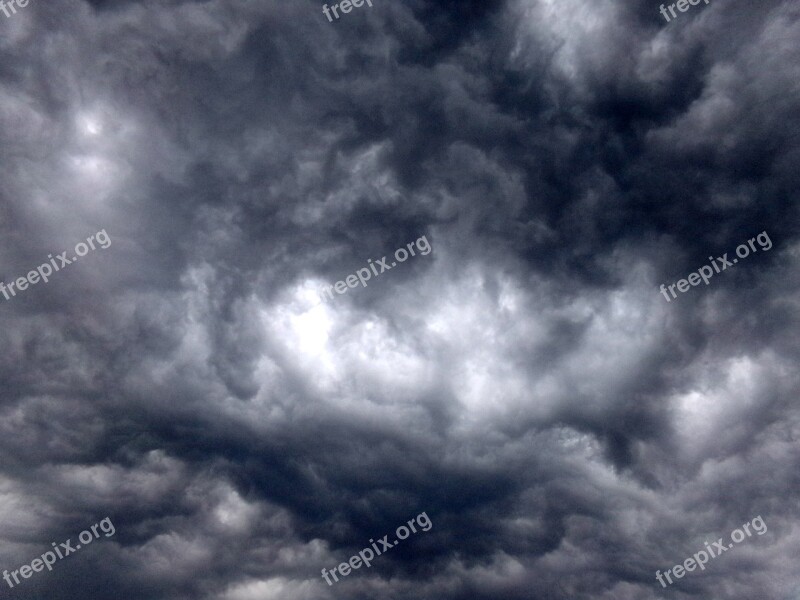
92, 165
233, 512
96, 175
311, 330
570, 27
702, 412
388, 366
272, 589
485, 374
90, 125
303, 325
352, 358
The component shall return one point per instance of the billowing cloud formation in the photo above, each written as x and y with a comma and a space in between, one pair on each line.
568, 431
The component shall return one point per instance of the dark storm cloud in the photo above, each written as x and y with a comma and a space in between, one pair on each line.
526, 385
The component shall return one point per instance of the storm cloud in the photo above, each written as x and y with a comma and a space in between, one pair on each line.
567, 430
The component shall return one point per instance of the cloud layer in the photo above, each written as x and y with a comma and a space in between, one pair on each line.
567, 430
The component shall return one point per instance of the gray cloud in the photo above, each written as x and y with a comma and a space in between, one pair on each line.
566, 429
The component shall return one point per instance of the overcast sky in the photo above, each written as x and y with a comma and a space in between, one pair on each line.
567, 430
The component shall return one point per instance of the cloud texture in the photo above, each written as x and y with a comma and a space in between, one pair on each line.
567, 430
